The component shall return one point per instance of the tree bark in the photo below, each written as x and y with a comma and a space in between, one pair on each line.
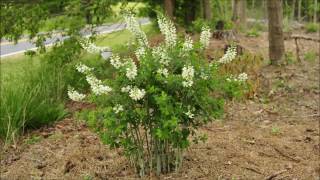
169, 7
276, 41
207, 10
293, 9
315, 11
299, 10
239, 11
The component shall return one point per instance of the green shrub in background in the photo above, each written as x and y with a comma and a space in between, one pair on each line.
155, 102
312, 27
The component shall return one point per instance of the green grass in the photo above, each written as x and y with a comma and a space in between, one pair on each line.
312, 27
26, 97
310, 56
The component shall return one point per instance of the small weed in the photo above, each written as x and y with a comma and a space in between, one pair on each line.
33, 139
275, 130
87, 177
289, 58
310, 56
253, 33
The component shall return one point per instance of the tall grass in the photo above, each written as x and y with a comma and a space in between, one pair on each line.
29, 98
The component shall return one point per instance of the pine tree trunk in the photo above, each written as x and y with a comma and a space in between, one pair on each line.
168, 8
293, 9
207, 10
239, 12
276, 41
315, 11
299, 10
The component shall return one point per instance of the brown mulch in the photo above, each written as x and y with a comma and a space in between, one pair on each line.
273, 136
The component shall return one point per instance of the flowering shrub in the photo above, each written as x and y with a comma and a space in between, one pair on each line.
151, 107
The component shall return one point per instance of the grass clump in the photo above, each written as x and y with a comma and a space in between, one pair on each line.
27, 99
312, 27
310, 56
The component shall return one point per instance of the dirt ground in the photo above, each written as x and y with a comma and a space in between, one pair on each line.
272, 136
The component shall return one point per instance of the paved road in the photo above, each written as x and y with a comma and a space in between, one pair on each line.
8, 49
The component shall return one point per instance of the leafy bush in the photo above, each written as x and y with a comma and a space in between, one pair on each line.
158, 98
312, 27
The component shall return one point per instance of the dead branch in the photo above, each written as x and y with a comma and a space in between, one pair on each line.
285, 155
308, 38
275, 174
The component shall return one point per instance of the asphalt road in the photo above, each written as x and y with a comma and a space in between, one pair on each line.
8, 48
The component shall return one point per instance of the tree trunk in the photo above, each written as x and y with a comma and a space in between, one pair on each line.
190, 12
253, 4
168, 8
207, 10
239, 12
276, 41
315, 11
293, 9
299, 10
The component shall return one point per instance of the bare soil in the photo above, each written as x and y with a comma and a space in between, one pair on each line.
272, 136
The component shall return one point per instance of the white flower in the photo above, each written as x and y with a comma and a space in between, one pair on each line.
189, 114
229, 56
204, 76
161, 54
131, 70
168, 29
188, 44
134, 27
83, 68
205, 37
118, 108
163, 71
126, 89
75, 96
137, 94
242, 77
187, 83
90, 47
187, 75
140, 52
187, 72
101, 89
115, 61
96, 85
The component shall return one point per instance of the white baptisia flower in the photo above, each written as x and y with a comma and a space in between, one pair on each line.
161, 54
134, 27
90, 47
140, 52
131, 70
83, 68
117, 108
187, 75
168, 29
205, 37
229, 55
136, 93
96, 85
163, 71
188, 44
189, 114
75, 95
126, 88
115, 61
242, 77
